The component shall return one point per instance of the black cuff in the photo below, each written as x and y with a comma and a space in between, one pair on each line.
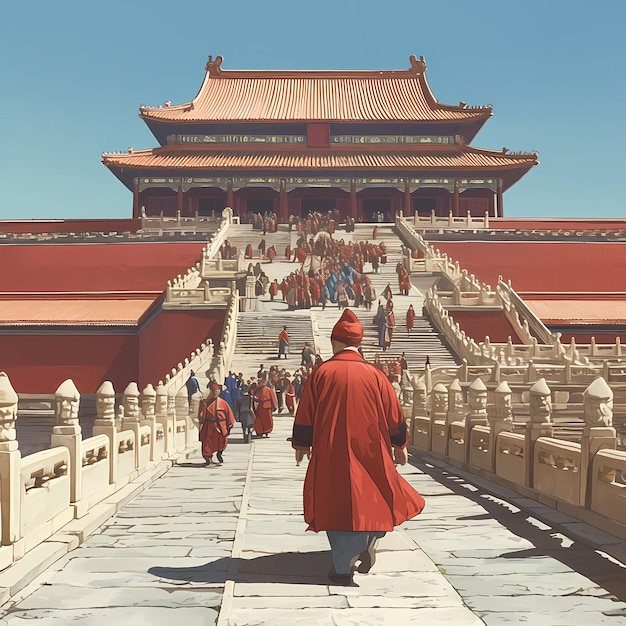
302, 435
398, 435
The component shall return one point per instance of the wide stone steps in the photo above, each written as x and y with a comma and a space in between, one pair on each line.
240, 235
257, 338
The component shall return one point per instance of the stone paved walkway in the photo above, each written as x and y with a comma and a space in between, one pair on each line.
228, 545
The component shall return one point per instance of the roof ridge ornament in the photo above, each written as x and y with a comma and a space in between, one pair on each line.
214, 67
417, 67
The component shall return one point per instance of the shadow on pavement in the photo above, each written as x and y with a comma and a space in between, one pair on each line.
552, 542
305, 568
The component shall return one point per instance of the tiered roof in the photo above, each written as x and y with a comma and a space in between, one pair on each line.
315, 96
431, 137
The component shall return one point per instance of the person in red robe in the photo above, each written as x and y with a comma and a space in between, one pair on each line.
290, 396
216, 419
351, 420
265, 403
410, 318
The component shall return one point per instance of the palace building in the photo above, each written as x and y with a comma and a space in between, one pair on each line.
368, 143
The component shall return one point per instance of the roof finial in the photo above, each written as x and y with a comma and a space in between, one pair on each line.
417, 67
213, 67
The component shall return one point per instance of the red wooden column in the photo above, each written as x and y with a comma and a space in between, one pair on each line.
353, 199
181, 199
407, 199
283, 209
230, 197
455, 200
499, 206
136, 199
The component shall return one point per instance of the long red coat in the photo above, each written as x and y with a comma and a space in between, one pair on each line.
410, 319
265, 404
350, 415
216, 419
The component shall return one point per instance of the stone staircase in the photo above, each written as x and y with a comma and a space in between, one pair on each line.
424, 340
257, 338
258, 331
240, 235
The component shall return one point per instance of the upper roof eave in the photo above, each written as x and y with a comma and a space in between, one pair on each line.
278, 101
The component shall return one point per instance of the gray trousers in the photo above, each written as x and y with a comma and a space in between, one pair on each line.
346, 545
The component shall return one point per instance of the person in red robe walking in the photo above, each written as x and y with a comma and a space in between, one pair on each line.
216, 419
265, 403
351, 419
410, 318
290, 396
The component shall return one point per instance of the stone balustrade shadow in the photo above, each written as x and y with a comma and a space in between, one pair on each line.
303, 568
552, 533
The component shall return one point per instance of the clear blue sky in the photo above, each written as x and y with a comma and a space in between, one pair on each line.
74, 73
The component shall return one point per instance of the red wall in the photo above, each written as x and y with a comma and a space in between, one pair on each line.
170, 338
538, 266
70, 226
478, 325
95, 267
555, 223
40, 363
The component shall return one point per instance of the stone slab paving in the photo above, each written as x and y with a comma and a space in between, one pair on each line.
228, 546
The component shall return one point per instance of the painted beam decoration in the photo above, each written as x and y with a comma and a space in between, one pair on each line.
241, 139
395, 139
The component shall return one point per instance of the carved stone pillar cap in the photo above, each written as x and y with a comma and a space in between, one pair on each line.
67, 389
149, 391
503, 388
421, 385
8, 397
440, 388
160, 390
599, 389
478, 385
540, 388
455, 385
171, 392
132, 390
106, 389
182, 393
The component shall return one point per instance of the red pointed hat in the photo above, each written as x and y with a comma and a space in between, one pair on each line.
348, 329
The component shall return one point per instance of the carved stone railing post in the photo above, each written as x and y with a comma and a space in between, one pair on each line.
105, 424
540, 424
477, 401
10, 468
438, 409
131, 416
420, 404
192, 421
501, 421
164, 418
182, 415
598, 433
67, 432
148, 406
456, 409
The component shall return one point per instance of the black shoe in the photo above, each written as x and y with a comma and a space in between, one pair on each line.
368, 558
345, 580
207, 462
220, 459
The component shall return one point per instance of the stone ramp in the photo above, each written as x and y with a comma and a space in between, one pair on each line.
228, 545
